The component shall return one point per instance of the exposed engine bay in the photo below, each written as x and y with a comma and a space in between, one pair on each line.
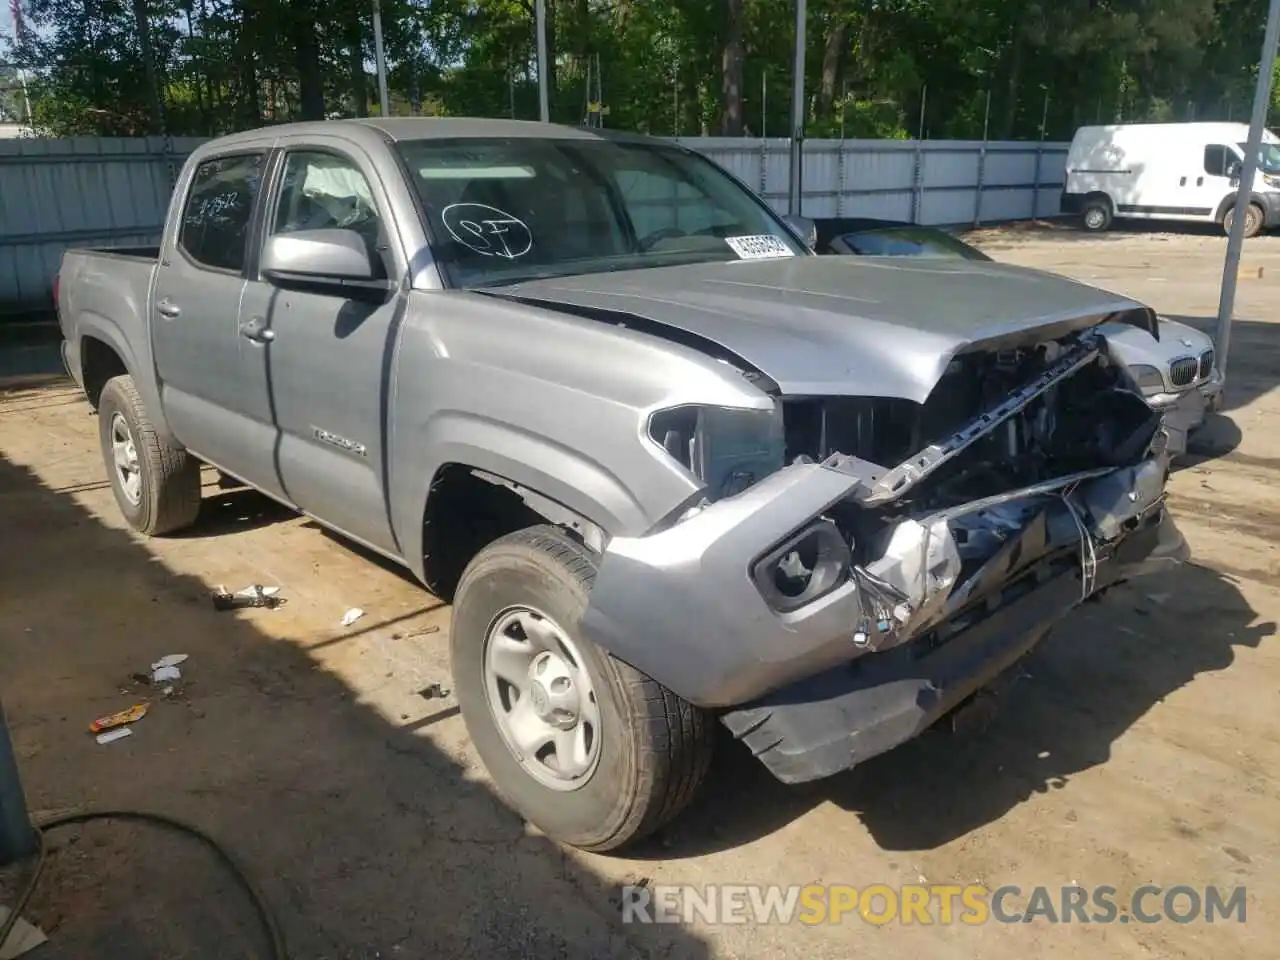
1032, 458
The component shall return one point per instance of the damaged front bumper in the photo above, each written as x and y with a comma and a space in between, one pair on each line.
867, 654
1185, 411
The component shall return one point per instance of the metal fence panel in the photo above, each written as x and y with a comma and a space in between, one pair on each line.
110, 191
940, 182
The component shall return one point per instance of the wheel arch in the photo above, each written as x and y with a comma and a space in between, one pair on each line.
496, 463
467, 508
104, 354
1229, 201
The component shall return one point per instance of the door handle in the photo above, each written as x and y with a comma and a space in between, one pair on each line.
167, 308
1199, 181
256, 330
1182, 182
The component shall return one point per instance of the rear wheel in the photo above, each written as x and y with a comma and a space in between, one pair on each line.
588, 749
1097, 214
1252, 220
156, 484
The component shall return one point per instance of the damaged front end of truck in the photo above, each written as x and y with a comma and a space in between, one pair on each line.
854, 567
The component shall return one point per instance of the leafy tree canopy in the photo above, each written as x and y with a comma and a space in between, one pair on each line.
875, 68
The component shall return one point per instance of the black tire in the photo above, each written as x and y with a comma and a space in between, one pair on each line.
168, 494
655, 748
1096, 214
1253, 220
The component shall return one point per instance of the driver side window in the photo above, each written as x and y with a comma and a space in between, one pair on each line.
1218, 160
324, 191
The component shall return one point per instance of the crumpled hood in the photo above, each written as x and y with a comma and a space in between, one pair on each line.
856, 326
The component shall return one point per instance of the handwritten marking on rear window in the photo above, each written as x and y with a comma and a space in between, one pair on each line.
487, 230
759, 247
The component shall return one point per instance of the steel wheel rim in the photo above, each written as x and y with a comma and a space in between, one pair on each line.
124, 455
1093, 218
542, 699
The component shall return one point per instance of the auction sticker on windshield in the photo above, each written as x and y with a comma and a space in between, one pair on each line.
759, 248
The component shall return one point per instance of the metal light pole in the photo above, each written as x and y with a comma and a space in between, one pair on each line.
17, 838
1261, 100
797, 115
380, 59
764, 104
544, 102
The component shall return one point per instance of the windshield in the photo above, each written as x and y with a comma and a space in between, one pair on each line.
1268, 157
505, 210
909, 242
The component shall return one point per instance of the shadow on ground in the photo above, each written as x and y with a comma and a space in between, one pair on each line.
1065, 706
367, 839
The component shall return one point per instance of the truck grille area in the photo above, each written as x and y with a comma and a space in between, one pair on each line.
1084, 422
1182, 372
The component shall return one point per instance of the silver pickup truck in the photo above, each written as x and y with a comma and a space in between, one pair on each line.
672, 469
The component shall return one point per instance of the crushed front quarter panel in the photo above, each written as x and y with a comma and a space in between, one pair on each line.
681, 605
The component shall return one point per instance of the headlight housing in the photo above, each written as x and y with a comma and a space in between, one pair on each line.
1147, 378
726, 449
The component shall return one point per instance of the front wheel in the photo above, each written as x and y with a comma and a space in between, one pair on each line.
588, 749
156, 484
1253, 218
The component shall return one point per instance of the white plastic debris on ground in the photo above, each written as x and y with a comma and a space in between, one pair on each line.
166, 670
24, 937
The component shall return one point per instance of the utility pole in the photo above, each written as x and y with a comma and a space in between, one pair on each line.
380, 58
544, 103
797, 115
1235, 241
17, 838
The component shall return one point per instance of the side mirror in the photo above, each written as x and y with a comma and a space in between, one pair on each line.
804, 228
1234, 168
333, 255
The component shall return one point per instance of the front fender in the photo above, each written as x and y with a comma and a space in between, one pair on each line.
539, 463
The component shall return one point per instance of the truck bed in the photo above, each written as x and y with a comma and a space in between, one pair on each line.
103, 294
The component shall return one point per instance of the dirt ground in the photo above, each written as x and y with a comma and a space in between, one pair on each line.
1141, 742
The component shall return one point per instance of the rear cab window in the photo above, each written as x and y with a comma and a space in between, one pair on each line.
502, 210
216, 217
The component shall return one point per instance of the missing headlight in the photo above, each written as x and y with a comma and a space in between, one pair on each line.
726, 449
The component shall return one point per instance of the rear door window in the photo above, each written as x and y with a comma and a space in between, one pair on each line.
219, 208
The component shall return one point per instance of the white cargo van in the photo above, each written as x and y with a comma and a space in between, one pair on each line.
1169, 171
